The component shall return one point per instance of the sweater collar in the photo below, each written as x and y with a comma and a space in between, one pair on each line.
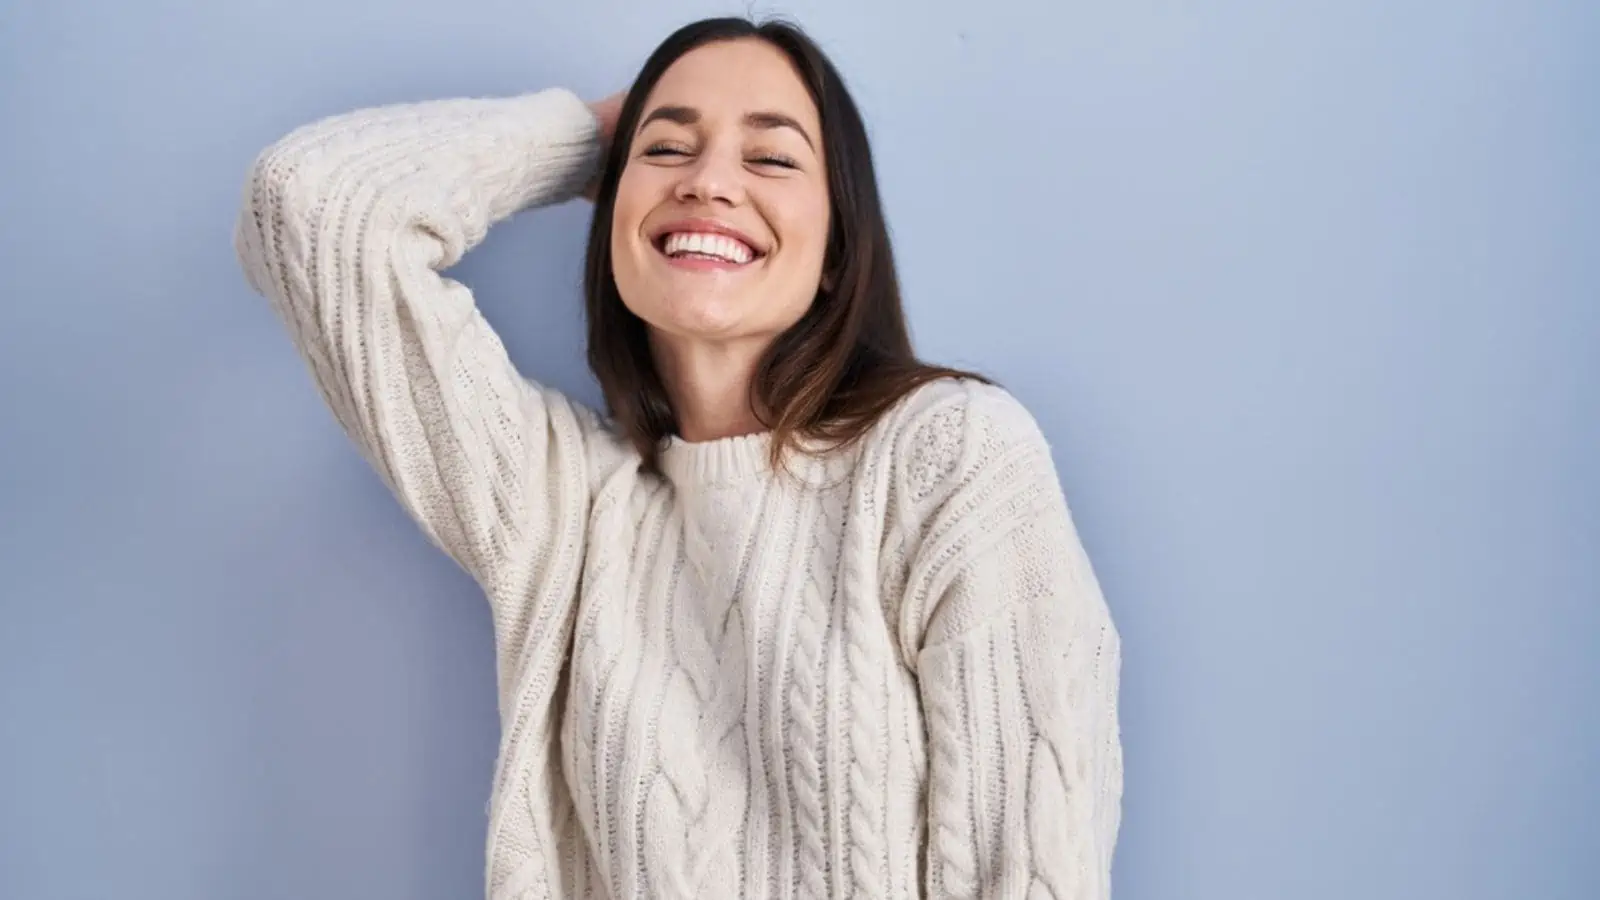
734, 459
721, 460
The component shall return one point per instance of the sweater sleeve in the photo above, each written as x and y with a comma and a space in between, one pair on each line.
345, 227
1019, 668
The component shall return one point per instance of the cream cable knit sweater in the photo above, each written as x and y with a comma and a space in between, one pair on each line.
894, 676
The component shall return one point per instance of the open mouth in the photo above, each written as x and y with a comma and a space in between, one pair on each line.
705, 247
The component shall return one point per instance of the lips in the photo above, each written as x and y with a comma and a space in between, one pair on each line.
715, 246
706, 239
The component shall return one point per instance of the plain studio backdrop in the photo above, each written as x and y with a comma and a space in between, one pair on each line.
1306, 296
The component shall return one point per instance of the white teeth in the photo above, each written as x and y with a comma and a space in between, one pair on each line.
717, 245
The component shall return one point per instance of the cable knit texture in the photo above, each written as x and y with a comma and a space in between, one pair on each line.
890, 673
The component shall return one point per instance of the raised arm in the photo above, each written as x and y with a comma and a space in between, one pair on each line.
1019, 664
345, 227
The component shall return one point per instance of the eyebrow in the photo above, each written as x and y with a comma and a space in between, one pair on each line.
764, 120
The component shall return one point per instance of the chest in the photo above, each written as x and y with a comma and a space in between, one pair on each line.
732, 597
734, 672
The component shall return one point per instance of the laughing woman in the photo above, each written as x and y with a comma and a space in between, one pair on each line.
800, 615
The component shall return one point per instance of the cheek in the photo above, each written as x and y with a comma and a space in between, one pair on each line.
806, 221
626, 212
633, 203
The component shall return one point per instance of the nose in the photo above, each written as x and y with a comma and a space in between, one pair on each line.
713, 177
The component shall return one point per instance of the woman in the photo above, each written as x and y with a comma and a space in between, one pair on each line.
801, 617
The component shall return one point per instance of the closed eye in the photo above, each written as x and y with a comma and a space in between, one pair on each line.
665, 150
768, 159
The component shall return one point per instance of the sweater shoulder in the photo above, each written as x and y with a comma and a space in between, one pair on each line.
948, 432
966, 464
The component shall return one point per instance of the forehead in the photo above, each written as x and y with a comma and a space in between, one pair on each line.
732, 78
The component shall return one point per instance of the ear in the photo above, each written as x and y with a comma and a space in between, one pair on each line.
830, 277
833, 260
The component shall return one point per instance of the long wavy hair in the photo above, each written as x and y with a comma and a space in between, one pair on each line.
849, 359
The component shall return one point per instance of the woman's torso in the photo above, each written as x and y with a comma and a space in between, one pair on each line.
739, 715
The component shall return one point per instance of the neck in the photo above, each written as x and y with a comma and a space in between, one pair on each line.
709, 386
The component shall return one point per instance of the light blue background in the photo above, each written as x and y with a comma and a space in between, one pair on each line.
1306, 295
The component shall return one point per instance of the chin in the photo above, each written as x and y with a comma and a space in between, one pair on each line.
707, 318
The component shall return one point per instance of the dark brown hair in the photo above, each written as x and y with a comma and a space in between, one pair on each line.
848, 360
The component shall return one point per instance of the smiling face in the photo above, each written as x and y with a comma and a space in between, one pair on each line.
721, 217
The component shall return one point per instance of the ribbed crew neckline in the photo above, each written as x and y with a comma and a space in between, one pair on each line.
733, 459
722, 459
